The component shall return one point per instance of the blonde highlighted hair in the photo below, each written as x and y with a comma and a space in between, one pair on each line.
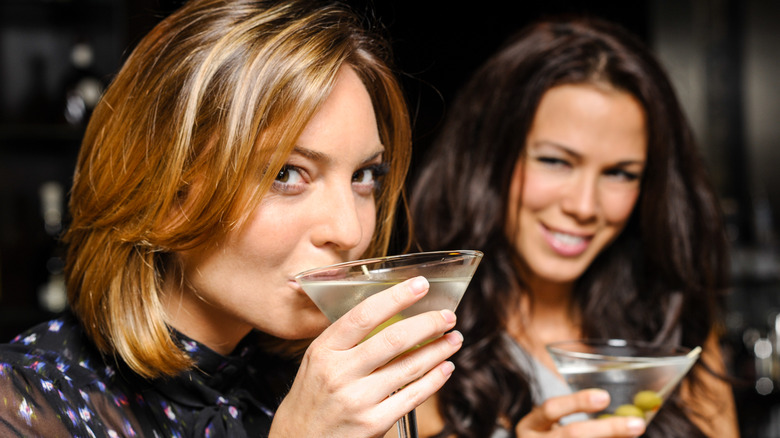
189, 137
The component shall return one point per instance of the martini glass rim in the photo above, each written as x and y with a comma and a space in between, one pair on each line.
466, 253
671, 353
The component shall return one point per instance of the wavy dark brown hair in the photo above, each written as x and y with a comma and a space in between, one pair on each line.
661, 280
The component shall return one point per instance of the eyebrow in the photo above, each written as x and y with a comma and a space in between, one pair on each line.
326, 159
311, 154
576, 154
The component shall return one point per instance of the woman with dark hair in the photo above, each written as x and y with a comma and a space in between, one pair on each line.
568, 160
242, 142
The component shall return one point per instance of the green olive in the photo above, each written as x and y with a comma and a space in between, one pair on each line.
647, 400
629, 411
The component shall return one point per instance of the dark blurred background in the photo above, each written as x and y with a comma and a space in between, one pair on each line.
56, 56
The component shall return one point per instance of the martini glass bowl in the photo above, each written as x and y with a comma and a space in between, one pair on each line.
639, 376
336, 289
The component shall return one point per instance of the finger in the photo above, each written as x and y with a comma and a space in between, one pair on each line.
355, 325
402, 337
613, 427
409, 367
553, 409
414, 394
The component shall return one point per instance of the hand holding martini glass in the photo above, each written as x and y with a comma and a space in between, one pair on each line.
336, 289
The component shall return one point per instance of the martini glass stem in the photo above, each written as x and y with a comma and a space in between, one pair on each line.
407, 425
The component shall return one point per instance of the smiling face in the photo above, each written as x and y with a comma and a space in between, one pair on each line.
580, 179
320, 210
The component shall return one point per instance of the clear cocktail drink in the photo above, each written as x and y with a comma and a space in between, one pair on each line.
639, 377
335, 298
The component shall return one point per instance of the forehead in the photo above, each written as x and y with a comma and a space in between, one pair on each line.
590, 119
345, 121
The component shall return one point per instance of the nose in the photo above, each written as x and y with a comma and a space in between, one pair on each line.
581, 199
338, 222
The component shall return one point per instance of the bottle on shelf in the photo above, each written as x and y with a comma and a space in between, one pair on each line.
83, 88
52, 296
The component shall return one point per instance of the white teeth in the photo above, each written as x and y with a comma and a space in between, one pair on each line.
567, 239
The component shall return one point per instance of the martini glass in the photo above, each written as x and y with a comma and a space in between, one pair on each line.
639, 376
336, 289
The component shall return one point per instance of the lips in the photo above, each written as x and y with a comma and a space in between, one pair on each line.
295, 286
566, 244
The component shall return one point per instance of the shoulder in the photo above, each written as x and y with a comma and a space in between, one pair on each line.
47, 376
56, 351
57, 346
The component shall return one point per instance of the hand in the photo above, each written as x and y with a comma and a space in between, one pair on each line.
345, 387
542, 421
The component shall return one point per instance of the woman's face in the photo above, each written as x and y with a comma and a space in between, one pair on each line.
579, 179
320, 210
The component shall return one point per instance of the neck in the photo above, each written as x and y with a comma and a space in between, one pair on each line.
546, 314
548, 295
193, 316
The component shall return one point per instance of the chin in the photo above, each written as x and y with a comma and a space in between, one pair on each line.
562, 275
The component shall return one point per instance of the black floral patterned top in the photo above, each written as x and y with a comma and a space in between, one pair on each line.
54, 383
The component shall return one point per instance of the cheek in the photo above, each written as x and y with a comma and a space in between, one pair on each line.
271, 231
618, 206
529, 192
539, 191
367, 217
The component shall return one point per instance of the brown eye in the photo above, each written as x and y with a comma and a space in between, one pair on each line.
368, 179
283, 175
289, 180
363, 176
623, 175
553, 162
289, 175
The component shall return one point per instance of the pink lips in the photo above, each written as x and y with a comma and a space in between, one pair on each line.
566, 244
331, 274
295, 286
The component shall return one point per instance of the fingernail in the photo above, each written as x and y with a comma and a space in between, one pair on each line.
454, 337
447, 368
419, 285
448, 316
599, 397
636, 426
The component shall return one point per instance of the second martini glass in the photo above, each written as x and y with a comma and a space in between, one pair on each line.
336, 289
639, 376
